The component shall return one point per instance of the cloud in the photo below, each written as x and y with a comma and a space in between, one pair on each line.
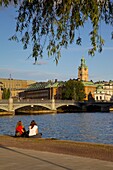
39, 63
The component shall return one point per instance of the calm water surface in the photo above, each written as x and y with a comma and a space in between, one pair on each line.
84, 127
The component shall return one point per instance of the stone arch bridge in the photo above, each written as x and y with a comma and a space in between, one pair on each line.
53, 105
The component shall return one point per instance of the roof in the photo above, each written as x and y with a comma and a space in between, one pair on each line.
88, 83
44, 85
52, 85
36, 86
83, 64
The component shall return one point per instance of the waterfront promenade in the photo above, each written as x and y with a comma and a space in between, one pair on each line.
51, 154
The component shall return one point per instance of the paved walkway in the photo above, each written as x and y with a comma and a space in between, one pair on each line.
22, 159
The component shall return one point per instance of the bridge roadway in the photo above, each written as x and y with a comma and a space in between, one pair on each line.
53, 105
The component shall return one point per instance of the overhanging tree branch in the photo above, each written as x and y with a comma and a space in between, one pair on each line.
52, 24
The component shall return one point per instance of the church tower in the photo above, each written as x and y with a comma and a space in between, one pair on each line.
83, 71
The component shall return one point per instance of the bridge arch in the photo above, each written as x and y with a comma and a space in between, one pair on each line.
3, 108
31, 105
68, 108
67, 104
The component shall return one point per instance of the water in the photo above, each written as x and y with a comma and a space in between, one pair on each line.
84, 127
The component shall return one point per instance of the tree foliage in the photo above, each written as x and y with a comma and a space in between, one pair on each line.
9, 2
6, 93
73, 90
53, 24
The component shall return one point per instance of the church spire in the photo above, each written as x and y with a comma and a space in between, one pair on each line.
83, 71
83, 64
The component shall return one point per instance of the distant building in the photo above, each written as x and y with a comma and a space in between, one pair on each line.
90, 89
89, 86
43, 90
100, 91
14, 85
104, 91
46, 90
83, 71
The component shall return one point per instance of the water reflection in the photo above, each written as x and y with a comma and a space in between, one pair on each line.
87, 127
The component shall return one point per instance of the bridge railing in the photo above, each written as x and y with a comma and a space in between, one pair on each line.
4, 101
33, 101
43, 101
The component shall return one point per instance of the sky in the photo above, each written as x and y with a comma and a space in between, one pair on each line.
14, 60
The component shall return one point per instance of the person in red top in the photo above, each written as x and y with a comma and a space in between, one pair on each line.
20, 130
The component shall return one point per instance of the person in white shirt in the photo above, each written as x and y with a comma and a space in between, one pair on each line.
33, 128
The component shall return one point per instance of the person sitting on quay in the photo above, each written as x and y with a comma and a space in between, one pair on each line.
33, 130
20, 130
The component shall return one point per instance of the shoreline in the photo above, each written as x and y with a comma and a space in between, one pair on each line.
82, 149
28, 113
6, 114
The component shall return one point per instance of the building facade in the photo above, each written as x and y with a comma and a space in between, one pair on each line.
16, 86
90, 89
89, 86
43, 91
83, 71
104, 91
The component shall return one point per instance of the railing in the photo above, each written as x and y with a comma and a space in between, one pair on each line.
32, 101
43, 101
49, 101
4, 101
